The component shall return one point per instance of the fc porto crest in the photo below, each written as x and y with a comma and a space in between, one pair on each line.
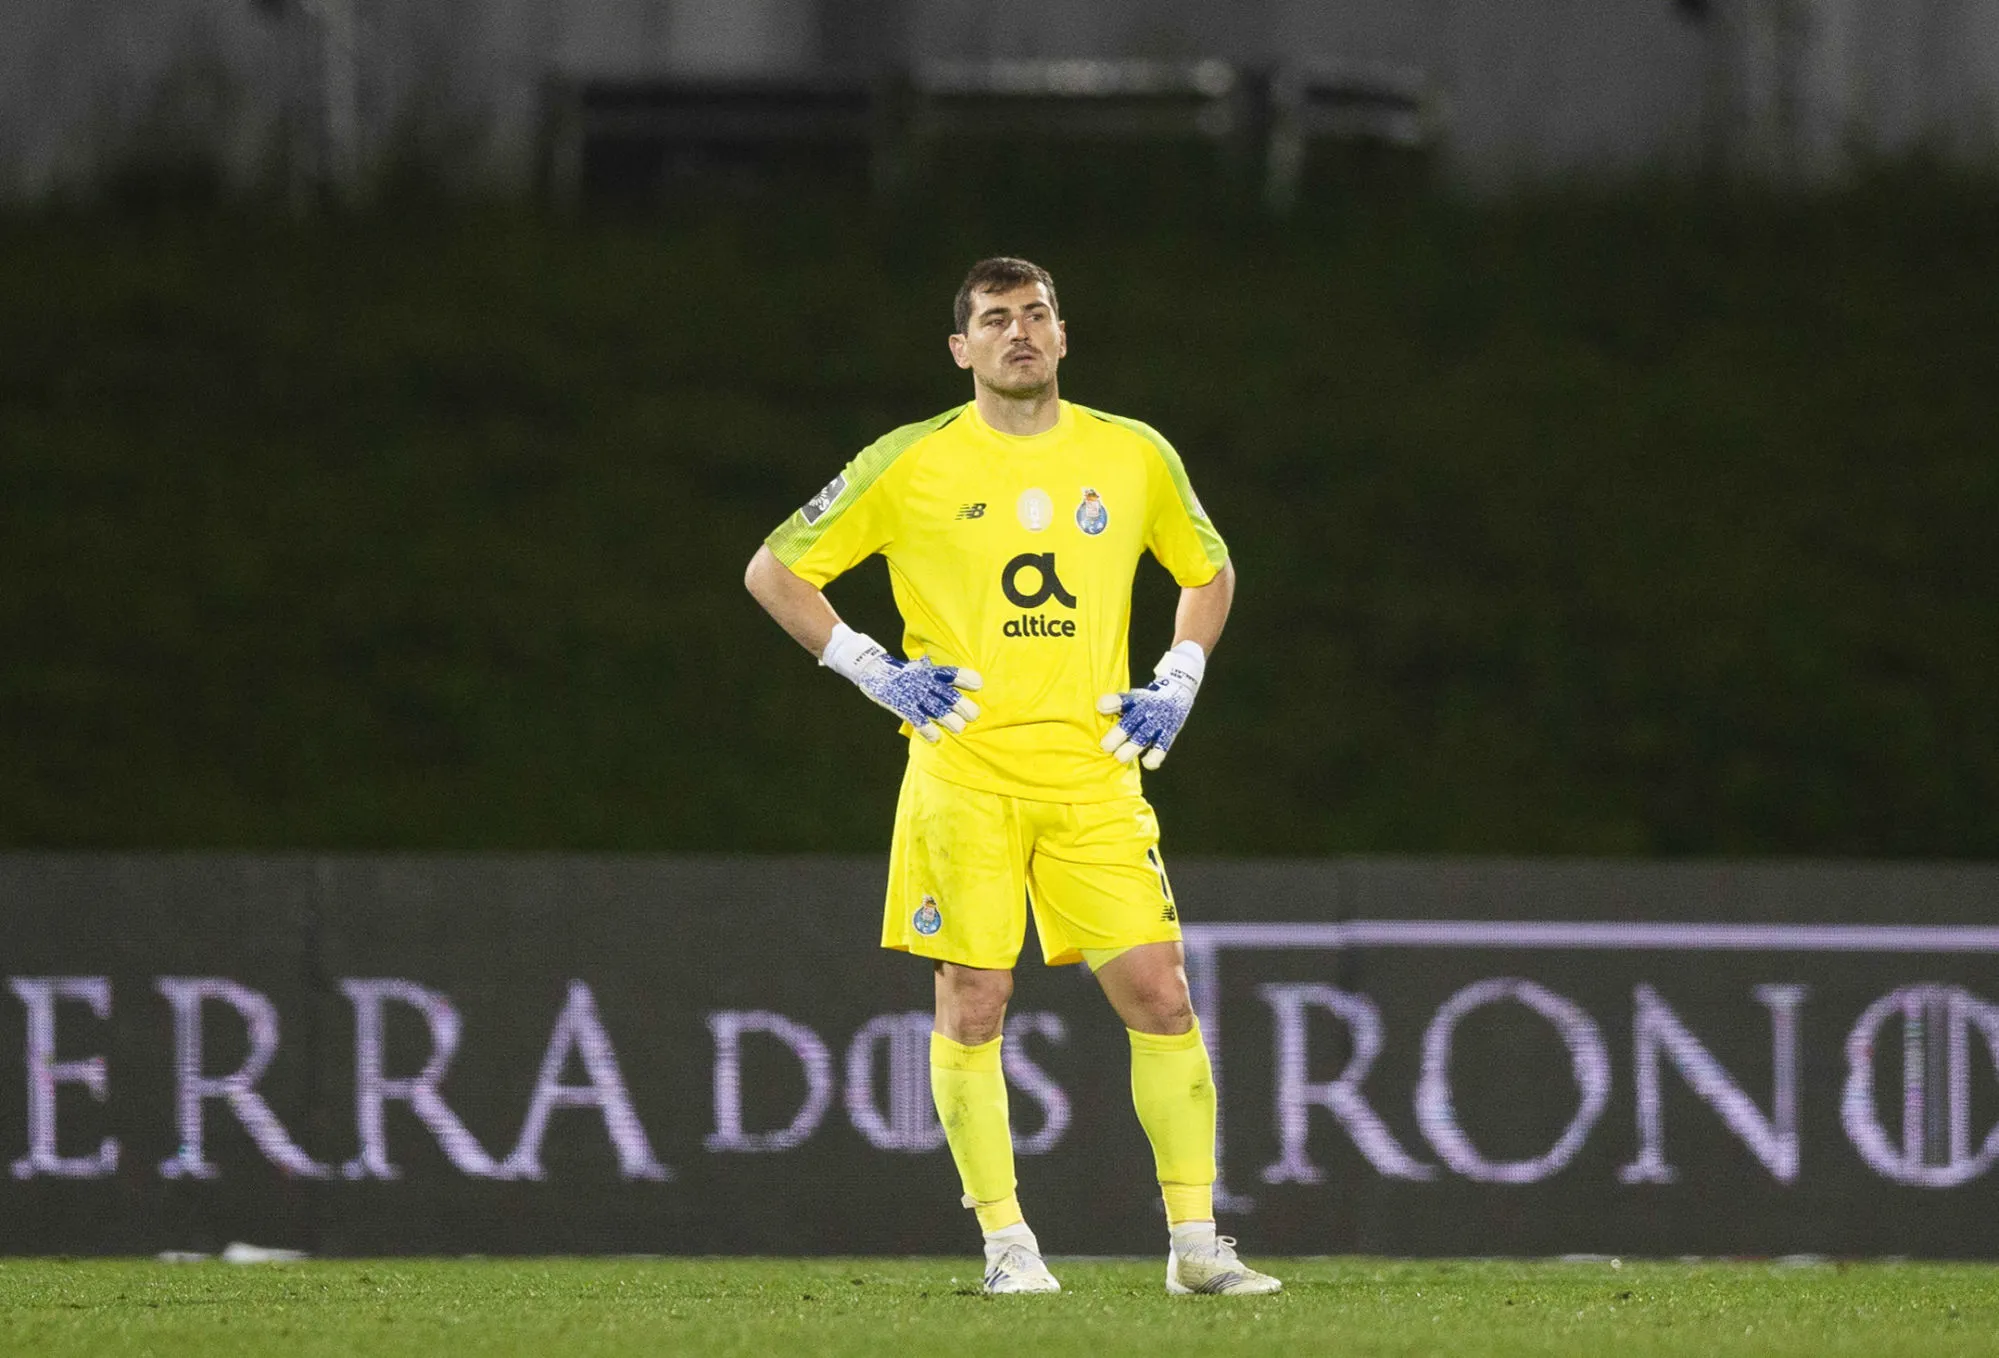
928, 918
1091, 516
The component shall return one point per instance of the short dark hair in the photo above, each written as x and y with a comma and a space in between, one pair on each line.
1001, 273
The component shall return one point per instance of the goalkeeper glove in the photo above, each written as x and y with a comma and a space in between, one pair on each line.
922, 693
1149, 717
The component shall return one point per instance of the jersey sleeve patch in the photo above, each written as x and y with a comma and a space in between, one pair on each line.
823, 501
791, 540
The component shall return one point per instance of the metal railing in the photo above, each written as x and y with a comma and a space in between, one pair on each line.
688, 122
1393, 106
1266, 119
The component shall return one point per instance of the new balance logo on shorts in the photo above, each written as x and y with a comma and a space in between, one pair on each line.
1171, 914
975, 510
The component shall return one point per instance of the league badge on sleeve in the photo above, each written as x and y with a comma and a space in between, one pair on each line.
1091, 516
928, 919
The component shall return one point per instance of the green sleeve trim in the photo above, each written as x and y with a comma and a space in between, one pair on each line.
1212, 545
793, 538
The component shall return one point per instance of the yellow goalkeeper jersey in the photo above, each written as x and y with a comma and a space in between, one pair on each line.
1014, 555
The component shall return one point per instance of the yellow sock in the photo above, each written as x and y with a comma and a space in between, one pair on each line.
970, 1090
1188, 1202
995, 1216
1173, 1088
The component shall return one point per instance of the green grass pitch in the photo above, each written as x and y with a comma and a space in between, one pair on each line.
432, 1307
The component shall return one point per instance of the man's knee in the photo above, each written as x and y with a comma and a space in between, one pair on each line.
1164, 1007
1148, 988
971, 1002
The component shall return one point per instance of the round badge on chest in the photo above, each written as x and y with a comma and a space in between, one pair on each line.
1091, 516
1036, 509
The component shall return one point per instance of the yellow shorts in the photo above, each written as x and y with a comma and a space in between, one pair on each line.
965, 865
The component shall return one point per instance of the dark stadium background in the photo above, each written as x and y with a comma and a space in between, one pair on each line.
1649, 519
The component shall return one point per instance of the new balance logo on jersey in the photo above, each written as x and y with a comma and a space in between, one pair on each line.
976, 510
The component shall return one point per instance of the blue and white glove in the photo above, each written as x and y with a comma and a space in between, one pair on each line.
1149, 717
922, 693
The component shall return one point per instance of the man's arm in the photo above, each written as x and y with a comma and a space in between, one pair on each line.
1150, 717
1204, 609
924, 694
799, 606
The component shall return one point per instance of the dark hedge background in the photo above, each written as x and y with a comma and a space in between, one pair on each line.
1645, 521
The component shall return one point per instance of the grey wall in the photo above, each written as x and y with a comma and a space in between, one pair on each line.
1035, 28
1529, 87
86, 84
80, 78
690, 36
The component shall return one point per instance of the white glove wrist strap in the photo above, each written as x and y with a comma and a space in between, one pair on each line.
1186, 662
848, 652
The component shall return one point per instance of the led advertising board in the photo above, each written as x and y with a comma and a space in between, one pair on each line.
499, 1054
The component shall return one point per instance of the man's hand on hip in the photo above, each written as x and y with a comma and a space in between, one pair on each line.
1149, 717
922, 693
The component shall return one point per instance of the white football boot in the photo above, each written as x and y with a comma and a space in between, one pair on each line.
1203, 1262
1014, 1264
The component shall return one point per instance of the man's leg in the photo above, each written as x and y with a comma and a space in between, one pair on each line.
970, 1089
1173, 1089
1172, 1085
957, 890
969, 1085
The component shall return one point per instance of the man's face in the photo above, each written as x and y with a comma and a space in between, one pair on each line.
1013, 341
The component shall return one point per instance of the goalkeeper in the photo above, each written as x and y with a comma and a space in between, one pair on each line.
1013, 526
